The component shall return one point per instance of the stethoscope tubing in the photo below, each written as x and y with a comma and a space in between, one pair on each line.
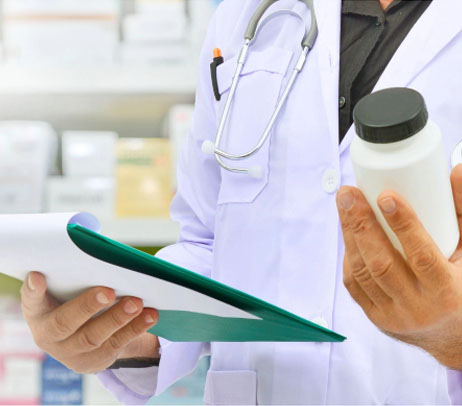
253, 29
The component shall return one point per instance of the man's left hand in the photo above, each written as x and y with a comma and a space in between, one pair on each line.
418, 301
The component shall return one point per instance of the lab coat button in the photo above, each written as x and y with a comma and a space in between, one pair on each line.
321, 321
330, 181
342, 102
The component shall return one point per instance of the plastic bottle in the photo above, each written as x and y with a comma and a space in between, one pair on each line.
398, 148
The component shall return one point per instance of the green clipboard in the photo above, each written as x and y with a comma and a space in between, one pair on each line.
274, 324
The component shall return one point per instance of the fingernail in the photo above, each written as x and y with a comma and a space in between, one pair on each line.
30, 283
388, 205
102, 298
130, 307
346, 200
149, 319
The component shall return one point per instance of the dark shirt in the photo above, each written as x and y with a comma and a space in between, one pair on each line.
370, 37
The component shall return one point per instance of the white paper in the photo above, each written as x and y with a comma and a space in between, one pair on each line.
39, 242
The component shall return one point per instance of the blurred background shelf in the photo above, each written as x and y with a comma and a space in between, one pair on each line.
166, 79
142, 232
96, 98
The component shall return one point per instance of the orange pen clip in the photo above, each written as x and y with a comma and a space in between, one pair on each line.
217, 53
217, 61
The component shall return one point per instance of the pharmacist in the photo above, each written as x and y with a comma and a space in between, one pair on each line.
278, 235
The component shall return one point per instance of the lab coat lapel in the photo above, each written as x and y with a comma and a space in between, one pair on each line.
328, 51
433, 31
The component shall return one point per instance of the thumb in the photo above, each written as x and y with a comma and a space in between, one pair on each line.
34, 298
456, 182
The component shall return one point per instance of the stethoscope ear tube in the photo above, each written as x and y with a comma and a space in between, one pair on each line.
312, 36
253, 24
308, 41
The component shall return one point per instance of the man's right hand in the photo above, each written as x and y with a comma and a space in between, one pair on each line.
71, 334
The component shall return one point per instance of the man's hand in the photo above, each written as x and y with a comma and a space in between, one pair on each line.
418, 301
86, 344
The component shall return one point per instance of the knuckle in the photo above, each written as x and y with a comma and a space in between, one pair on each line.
117, 319
424, 259
344, 224
116, 343
134, 330
58, 326
362, 274
380, 266
86, 307
403, 226
86, 342
361, 225
356, 263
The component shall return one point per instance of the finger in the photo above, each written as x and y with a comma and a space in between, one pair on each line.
424, 257
98, 330
383, 262
456, 182
34, 298
355, 290
144, 345
115, 344
354, 258
64, 321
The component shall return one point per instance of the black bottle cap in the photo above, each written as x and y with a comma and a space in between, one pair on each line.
390, 115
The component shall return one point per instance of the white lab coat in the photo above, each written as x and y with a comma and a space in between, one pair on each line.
279, 237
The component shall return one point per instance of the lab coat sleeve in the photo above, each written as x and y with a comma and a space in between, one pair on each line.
194, 208
455, 386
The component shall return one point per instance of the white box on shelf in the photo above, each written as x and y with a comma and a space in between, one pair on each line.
20, 358
27, 156
136, 54
179, 122
22, 132
93, 195
79, 7
161, 6
60, 41
89, 153
154, 28
20, 380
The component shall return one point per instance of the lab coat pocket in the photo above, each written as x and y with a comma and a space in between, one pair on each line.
231, 388
255, 100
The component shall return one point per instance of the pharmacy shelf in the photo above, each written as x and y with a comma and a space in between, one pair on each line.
142, 232
169, 79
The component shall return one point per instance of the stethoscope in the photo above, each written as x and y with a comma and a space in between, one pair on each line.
254, 28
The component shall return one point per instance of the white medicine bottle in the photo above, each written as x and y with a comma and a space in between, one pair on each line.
398, 148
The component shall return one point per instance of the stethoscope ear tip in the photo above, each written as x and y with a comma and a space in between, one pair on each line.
208, 147
255, 172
